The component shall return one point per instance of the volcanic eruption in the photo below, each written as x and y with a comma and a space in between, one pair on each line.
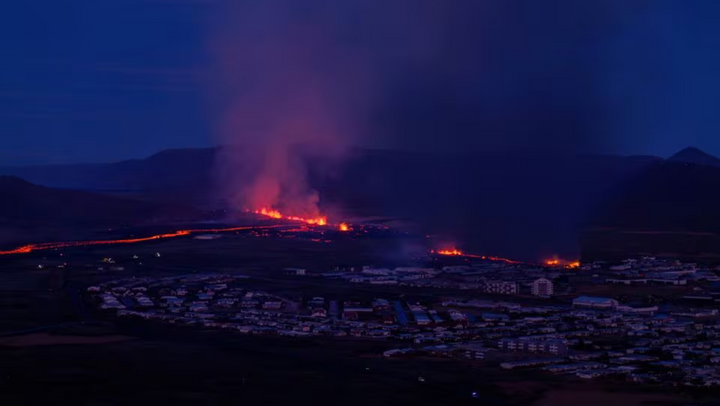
279, 108
320, 220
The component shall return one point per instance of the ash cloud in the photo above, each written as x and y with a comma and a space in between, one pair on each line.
320, 76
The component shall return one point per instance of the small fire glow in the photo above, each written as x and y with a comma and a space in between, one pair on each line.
343, 227
452, 252
558, 263
319, 221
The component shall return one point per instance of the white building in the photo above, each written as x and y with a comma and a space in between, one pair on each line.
542, 287
295, 271
552, 346
501, 287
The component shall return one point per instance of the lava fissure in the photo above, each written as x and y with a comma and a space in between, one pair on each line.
26, 249
272, 213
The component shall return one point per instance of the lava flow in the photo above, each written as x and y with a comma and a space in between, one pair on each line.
26, 249
318, 221
552, 263
558, 263
451, 252
343, 227
457, 253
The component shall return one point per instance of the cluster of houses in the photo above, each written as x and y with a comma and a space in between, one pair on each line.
596, 337
590, 337
497, 278
653, 271
597, 341
524, 279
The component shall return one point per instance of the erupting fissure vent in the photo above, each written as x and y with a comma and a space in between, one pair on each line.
319, 220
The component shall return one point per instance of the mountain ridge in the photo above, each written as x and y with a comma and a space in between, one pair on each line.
693, 155
28, 204
524, 205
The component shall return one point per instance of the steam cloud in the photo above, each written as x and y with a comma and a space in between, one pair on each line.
318, 76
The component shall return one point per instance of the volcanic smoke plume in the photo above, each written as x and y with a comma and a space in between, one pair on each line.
293, 78
287, 93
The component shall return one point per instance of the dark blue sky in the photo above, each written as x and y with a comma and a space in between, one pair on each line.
114, 79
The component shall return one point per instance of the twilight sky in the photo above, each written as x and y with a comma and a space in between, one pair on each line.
108, 80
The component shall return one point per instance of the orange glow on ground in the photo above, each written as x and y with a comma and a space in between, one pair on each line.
451, 252
557, 263
343, 227
499, 259
458, 253
26, 249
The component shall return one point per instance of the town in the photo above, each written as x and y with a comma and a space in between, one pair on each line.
644, 320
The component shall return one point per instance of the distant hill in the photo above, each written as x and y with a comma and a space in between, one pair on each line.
517, 204
168, 176
670, 209
24, 204
692, 155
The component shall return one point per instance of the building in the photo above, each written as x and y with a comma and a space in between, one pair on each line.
381, 304
272, 305
595, 302
198, 307
295, 271
501, 287
473, 351
421, 318
542, 287
552, 346
354, 312
637, 309
144, 301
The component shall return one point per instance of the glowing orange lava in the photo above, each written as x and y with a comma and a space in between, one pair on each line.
553, 263
457, 253
318, 221
557, 263
343, 227
452, 252
69, 244
269, 213
499, 259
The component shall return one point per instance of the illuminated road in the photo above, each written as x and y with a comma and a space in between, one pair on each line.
26, 249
